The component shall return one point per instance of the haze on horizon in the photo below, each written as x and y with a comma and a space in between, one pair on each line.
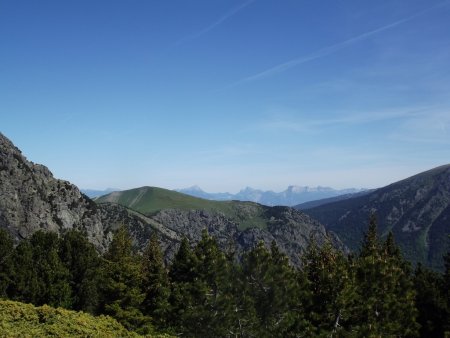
227, 94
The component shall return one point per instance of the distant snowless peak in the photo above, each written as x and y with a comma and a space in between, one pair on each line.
194, 188
299, 189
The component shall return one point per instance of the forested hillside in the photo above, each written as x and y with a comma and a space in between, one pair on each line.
206, 292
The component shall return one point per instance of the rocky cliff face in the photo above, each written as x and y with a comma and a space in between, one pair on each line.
290, 229
31, 199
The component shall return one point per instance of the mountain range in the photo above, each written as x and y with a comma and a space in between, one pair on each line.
416, 210
293, 195
31, 199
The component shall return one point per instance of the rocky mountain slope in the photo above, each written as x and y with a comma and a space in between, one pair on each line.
32, 199
293, 195
237, 225
416, 210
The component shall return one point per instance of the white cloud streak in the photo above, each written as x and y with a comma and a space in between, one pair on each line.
218, 22
332, 49
426, 125
360, 118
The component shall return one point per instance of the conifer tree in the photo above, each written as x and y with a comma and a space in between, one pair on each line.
385, 300
121, 281
430, 302
201, 295
243, 315
288, 314
183, 265
25, 282
155, 283
6, 262
40, 277
181, 275
271, 284
446, 292
81, 259
332, 289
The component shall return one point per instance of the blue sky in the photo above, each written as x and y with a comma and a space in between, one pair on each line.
227, 93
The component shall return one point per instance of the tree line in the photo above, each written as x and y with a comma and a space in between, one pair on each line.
206, 292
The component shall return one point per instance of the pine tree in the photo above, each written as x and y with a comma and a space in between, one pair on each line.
201, 297
6, 262
430, 302
446, 292
385, 294
40, 277
271, 285
183, 265
332, 289
121, 280
288, 313
81, 259
155, 283
181, 275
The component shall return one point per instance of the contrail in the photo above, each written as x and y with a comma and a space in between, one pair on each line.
225, 17
331, 49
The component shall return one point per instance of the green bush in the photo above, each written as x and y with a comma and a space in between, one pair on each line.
25, 320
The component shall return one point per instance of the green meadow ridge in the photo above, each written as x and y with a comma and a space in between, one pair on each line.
150, 200
238, 226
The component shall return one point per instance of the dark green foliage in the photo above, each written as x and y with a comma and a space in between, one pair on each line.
155, 283
182, 268
39, 275
6, 262
446, 291
207, 293
81, 259
201, 299
385, 294
430, 302
331, 289
120, 284
272, 288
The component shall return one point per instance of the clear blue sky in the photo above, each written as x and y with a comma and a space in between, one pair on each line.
227, 93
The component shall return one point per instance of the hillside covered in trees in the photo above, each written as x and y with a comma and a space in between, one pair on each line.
206, 292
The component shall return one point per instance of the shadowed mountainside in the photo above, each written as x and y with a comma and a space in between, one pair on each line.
416, 210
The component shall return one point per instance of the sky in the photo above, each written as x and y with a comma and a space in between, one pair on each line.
226, 94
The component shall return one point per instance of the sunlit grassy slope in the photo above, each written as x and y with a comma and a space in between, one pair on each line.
149, 200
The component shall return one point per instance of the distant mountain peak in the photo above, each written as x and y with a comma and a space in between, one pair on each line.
293, 195
195, 188
297, 188
248, 189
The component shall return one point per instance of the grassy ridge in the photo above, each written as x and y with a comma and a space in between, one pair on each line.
150, 200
